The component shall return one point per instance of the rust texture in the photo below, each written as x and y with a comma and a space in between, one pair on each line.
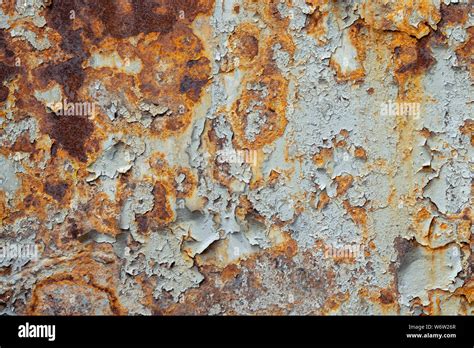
220, 157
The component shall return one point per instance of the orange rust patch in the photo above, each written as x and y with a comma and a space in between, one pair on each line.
268, 105
47, 300
244, 43
100, 213
322, 157
316, 25
344, 182
422, 215
230, 272
467, 291
397, 16
344, 133
332, 304
465, 51
289, 248
264, 89
358, 214
412, 58
161, 214
323, 200
359, 152
90, 275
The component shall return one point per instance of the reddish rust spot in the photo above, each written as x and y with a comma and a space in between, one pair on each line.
69, 74
29, 201
71, 133
453, 14
192, 87
247, 46
161, 202
386, 296
24, 144
5, 271
161, 214
3, 93
74, 231
56, 190
128, 18
143, 224
420, 57
6, 73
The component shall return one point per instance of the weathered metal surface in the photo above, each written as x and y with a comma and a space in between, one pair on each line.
236, 157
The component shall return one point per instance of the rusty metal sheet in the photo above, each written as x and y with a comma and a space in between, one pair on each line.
223, 157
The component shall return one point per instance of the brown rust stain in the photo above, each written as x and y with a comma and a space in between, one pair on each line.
56, 190
98, 213
264, 88
468, 129
413, 57
8, 69
71, 133
316, 25
221, 285
465, 51
161, 214
244, 43
46, 298
90, 276
397, 16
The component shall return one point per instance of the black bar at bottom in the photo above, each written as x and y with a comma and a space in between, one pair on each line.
291, 331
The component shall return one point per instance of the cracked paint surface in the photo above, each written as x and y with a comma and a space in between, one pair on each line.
221, 157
